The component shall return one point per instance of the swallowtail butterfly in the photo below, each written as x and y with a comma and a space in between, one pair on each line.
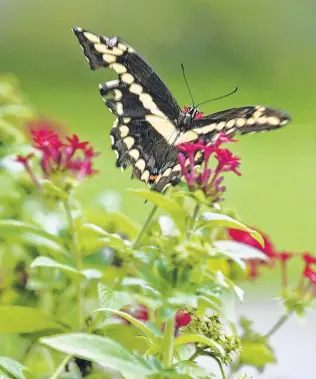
149, 122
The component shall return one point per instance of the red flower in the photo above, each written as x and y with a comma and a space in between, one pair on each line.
309, 259
310, 274
244, 237
284, 257
60, 159
310, 267
182, 319
141, 313
268, 249
24, 159
209, 179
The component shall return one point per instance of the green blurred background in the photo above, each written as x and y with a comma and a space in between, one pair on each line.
267, 49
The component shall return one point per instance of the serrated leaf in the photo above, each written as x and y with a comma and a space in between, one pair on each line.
100, 350
18, 319
220, 220
237, 250
134, 321
13, 367
178, 213
110, 298
198, 338
49, 262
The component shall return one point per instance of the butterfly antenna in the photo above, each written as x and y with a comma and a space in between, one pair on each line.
186, 81
221, 97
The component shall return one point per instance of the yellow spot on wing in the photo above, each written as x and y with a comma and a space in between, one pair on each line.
187, 137
162, 125
205, 129
129, 142
91, 37
108, 58
127, 78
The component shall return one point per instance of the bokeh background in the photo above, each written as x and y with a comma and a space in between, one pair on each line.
267, 49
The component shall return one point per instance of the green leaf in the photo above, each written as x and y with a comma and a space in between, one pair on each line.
110, 298
18, 227
257, 354
18, 319
178, 213
193, 370
100, 350
237, 251
219, 220
138, 324
198, 338
123, 223
12, 367
49, 262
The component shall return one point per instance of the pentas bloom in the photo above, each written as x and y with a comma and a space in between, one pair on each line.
209, 180
268, 249
310, 267
60, 159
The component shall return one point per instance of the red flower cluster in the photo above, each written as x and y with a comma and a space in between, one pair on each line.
141, 313
268, 249
310, 267
271, 252
72, 158
209, 180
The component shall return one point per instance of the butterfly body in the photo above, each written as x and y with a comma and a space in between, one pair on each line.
149, 122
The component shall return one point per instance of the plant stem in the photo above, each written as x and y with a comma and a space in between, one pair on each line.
145, 226
61, 367
208, 354
220, 367
278, 324
77, 258
168, 342
195, 213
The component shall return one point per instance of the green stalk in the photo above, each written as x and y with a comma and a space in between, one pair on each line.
77, 258
194, 216
168, 342
61, 367
278, 324
145, 226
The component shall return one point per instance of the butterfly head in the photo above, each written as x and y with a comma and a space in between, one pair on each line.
188, 115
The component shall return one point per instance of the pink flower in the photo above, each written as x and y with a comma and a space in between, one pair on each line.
208, 179
268, 249
71, 157
182, 319
310, 267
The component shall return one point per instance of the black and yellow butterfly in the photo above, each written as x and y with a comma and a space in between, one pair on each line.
149, 122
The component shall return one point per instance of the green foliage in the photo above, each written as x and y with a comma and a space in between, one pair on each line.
17, 319
255, 348
100, 350
13, 367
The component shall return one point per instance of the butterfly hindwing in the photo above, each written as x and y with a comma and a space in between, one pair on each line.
152, 159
